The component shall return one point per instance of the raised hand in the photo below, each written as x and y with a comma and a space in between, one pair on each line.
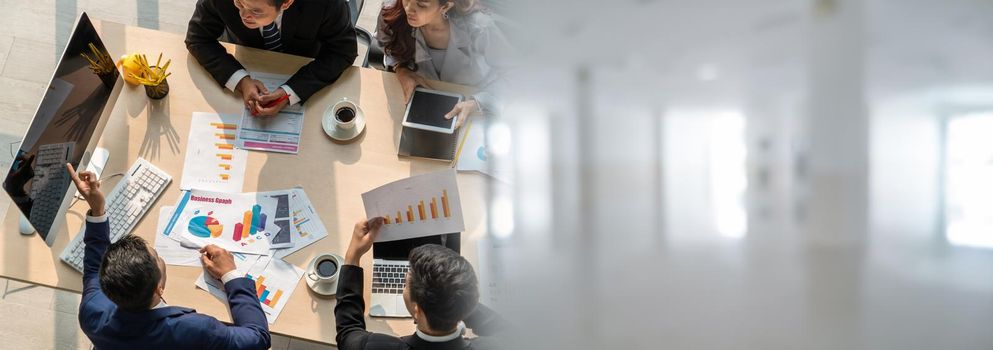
89, 187
363, 236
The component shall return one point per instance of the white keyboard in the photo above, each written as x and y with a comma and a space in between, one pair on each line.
126, 205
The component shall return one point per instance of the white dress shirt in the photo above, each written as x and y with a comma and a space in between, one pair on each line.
442, 338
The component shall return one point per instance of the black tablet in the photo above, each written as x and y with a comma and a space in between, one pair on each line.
427, 108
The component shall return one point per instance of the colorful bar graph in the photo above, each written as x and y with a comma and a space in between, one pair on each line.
434, 208
255, 219
224, 145
410, 213
263, 292
420, 211
224, 156
226, 136
246, 224
223, 126
237, 231
300, 221
275, 298
444, 203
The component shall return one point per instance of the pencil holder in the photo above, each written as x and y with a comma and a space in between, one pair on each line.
158, 91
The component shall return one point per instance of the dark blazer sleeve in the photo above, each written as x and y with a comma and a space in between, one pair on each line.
250, 331
97, 239
349, 312
338, 52
94, 304
205, 28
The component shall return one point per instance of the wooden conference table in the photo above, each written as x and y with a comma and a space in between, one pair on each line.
333, 175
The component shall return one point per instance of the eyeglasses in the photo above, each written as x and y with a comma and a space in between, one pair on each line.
253, 12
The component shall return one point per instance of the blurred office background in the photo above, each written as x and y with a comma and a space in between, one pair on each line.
749, 174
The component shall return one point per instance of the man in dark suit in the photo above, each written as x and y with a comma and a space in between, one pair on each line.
442, 295
320, 29
122, 305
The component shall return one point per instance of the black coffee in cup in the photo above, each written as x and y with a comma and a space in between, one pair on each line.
327, 268
345, 114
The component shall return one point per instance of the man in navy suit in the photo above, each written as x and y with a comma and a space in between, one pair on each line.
122, 305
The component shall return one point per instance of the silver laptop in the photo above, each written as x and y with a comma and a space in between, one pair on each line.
389, 272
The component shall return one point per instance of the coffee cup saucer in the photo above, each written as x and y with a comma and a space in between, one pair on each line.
323, 286
343, 134
325, 289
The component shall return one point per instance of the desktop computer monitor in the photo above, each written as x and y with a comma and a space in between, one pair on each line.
65, 129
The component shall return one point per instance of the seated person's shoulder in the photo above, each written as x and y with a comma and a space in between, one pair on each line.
480, 21
194, 326
384, 341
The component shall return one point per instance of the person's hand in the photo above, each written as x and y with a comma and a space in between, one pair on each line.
261, 111
251, 91
89, 187
364, 234
410, 81
462, 110
216, 260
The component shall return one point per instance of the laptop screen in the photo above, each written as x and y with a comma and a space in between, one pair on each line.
400, 250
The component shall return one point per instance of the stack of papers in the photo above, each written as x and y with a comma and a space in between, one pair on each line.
279, 133
243, 224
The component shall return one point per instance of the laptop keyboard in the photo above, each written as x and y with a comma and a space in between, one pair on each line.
388, 278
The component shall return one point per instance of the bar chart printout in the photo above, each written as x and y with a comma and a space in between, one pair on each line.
212, 161
421, 205
275, 281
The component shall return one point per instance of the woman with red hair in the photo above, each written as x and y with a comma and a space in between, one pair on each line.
455, 41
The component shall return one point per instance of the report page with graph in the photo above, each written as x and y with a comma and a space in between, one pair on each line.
418, 206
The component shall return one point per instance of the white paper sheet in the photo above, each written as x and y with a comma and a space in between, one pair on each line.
279, 133
214, 286
212, 161
417, 206
307, 226
474, 155
276, 279
170, 250
233, 221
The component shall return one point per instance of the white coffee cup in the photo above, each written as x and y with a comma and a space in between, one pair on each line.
325, 268
345, 112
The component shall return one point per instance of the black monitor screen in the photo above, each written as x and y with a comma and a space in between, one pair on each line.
62, 128
400, 249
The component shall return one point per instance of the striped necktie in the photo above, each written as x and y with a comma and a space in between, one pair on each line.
271, 37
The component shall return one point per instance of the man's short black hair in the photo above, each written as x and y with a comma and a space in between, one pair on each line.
443, 284
130, 274
277, 3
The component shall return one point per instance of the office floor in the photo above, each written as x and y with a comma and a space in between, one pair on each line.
36, 317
